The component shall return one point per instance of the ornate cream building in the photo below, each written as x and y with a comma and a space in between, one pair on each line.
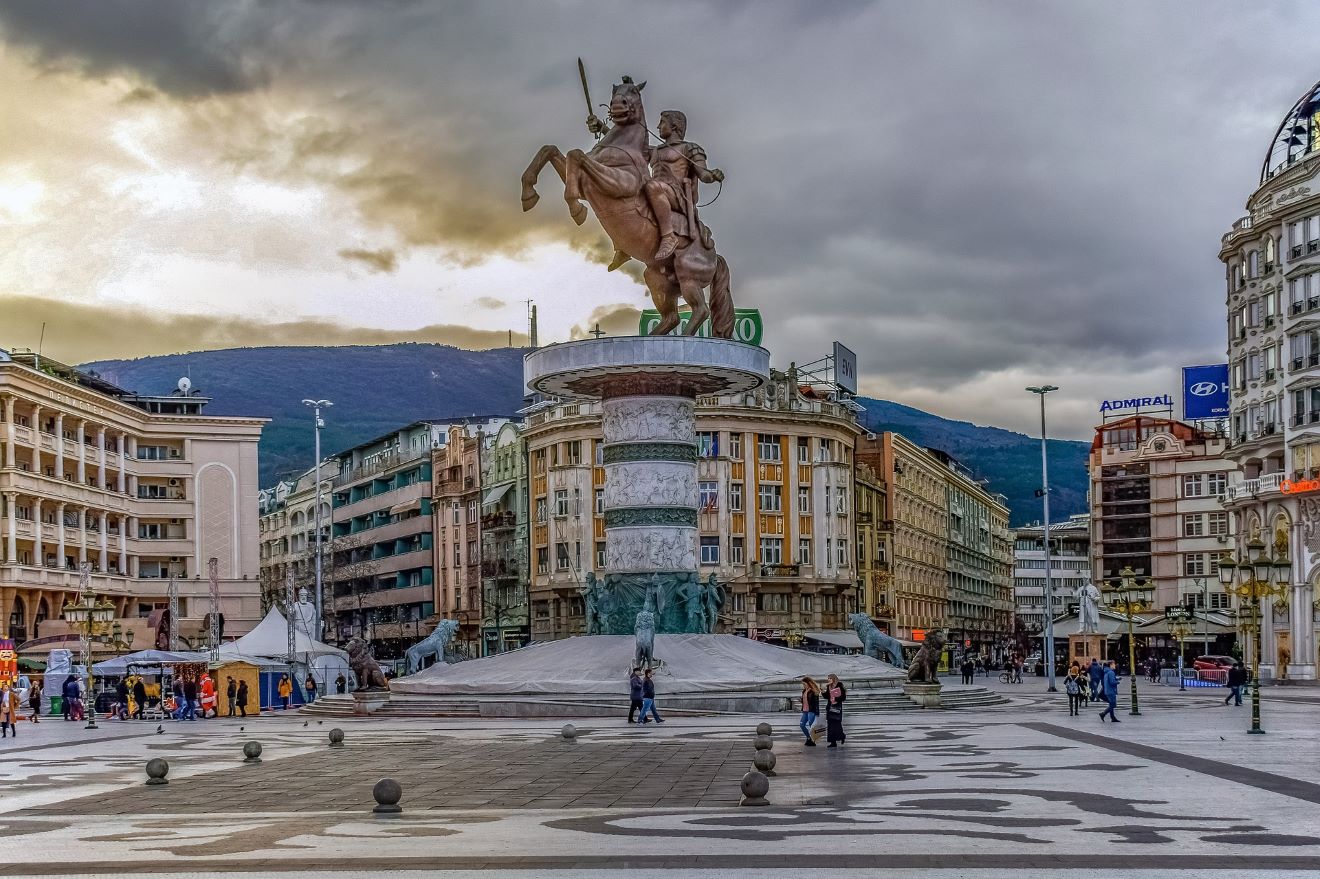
775, 519
142, 488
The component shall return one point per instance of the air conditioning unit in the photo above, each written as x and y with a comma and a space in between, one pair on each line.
174, 453
175, 558
1222, 538
870, 435
176, 521
175, 482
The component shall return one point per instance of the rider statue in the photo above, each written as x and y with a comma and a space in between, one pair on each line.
677, 167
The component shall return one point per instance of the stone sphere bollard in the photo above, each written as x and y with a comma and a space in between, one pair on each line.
764, 743
754, 788
764, 761
764, 729
387, 794
157, 769
252, 752
336, 738
569, 731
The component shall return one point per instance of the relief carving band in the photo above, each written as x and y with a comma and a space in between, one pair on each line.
646, 198
654, 548
648, 419
652, 484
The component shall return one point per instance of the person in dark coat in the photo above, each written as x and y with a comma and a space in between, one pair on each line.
968, 669
1237, 679
231, 693
121, 699
190, 699
835, 693
240, 699
634, 694
648, 699
1096, 674
341, 685
70, 693
139, 699
1110, 686
311, 689
34, 701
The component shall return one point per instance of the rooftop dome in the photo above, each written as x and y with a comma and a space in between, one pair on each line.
1298, 134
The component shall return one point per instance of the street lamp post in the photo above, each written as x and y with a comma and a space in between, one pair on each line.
1045, 535
1258, 576
319, 423
1130, 599
91, 618
1180, 626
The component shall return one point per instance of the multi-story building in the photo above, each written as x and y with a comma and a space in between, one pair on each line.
378, 567
775, 519
505, 610
144, 489
870, 512
1156, 491
288, 533
917, 532
979, 559
1070, 567
457, 503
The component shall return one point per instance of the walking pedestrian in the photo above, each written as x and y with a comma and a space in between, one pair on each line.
835, 693
8, 710
968, 669
139, 699
121, 699
341, 684
231, 692
240, 699
1075, 685
1237, 679
311, 688
69, 693
1096, 674
1018, 665
648, 699
180, 704
285, 690
810, 709
189, 699
635, 695
34, 701
1110, 686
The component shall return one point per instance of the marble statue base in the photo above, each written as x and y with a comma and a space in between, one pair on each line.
367, 702
923, 695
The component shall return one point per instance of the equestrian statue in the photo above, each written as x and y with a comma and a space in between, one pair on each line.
646, 200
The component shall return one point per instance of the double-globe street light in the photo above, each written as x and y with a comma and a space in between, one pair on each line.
91, 618
1261, 574
1131, 595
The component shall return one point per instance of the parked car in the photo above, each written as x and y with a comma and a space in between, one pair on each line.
1210, 663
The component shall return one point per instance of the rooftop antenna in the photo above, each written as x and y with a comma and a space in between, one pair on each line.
532, 328
597, 332
41, 343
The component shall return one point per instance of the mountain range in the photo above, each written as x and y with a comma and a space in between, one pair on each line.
378, 388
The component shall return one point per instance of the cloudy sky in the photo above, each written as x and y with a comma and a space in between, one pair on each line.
973, 196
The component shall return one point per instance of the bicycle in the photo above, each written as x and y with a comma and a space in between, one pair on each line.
1006, 677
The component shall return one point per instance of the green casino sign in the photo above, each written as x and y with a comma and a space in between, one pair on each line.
746, 324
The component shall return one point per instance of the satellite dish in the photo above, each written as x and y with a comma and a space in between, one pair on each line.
185, 385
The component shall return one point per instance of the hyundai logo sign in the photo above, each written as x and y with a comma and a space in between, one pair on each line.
1205, 391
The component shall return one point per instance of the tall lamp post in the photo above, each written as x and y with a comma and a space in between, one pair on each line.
1180, 626
1256, 577
319, 423
1130, 596
91, 618
1045, 534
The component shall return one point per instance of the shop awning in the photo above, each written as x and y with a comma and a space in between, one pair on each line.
841, 638
493, 496
406, 507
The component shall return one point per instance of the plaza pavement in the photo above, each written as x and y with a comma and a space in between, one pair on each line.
1181, 790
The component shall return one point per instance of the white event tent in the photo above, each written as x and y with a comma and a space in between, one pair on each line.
270, 641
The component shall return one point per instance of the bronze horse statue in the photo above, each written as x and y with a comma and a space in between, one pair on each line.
611, 178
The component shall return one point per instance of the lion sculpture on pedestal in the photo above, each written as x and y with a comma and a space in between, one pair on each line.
364, 666
875, 643
433, 644
925, 665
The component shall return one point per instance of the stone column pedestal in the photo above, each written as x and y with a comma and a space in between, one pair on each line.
367, 702
923, 695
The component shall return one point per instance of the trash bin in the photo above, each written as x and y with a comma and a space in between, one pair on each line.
56, 705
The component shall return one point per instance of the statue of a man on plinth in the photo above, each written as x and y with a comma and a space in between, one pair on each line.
1088, 608
304, 615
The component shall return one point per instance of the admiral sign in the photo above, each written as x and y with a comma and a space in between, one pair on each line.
1160, 401
1205, 391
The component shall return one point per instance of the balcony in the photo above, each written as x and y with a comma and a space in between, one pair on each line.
1249, 488
499, 521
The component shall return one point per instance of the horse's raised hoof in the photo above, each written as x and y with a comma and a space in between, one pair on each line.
529, 201
578, 211
695, 323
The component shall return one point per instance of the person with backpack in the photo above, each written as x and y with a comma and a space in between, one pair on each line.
1075, 685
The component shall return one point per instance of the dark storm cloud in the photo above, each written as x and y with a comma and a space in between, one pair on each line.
383, 260
956, 190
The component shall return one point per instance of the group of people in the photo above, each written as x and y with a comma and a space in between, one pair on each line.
835, 693
10, 709
641, 695
1097, 683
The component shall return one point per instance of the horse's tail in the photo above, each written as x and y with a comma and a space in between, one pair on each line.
721, 302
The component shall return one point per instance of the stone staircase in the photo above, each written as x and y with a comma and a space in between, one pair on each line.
962, 697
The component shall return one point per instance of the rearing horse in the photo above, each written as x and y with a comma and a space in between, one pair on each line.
610, 179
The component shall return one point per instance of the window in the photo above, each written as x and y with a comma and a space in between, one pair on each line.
1216, 483
739, 600
561, 557
458, 555
710, 550
804, 551
577, 554
1193, 525
804, 450
472, 511
1192, 485
735, 550
841, 500
841, 552
767, 447
1193, 564
804, 499
542, 560
472, 552
805, 603
561, 502
600, 555
708, 496
540, 509
736, 496
577, 502
735, 445
772, 550
708, 444
600, 502
575, 452
1218, 524
453, 508
773, 602
146, 530
770, 498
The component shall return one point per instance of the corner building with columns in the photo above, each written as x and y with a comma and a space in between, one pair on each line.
141, 488
1271, 259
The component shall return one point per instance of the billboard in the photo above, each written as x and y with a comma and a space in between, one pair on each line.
746, 324
845, 368
1205, 391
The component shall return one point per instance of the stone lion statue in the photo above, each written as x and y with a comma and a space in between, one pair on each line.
433, 644
365, 668
926, 664
875, 643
